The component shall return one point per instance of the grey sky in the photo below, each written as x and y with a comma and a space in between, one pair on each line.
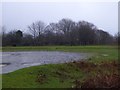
17, 15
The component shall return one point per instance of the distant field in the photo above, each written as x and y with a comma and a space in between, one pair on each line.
103, 63
61, 48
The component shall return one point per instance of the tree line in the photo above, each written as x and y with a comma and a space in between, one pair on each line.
64, 32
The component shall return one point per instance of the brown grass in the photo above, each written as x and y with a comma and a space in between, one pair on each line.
41, 78
106, 75
102, 81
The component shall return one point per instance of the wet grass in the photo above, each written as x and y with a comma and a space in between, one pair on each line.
39, 77
101, 70
60, 48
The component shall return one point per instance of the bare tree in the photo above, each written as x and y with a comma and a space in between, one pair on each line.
3, 36
40, 27
117, 38
36, 29
64, 32
53, 27
86, 33
32, 29
66, 26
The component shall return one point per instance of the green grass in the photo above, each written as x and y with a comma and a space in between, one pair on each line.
28, 77
60, 48
58, 75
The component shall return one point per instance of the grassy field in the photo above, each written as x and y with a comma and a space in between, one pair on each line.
101, 70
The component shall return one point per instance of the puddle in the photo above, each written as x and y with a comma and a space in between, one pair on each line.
1, 65
31, 64
12, 61
4, 64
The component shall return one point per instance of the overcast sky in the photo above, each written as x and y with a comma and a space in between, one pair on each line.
18, 15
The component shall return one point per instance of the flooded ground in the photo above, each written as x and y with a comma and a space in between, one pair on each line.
12, 61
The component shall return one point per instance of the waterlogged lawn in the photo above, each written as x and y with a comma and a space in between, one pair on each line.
98, 68
101, 52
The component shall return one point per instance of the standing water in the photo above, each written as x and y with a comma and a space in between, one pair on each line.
12, 61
